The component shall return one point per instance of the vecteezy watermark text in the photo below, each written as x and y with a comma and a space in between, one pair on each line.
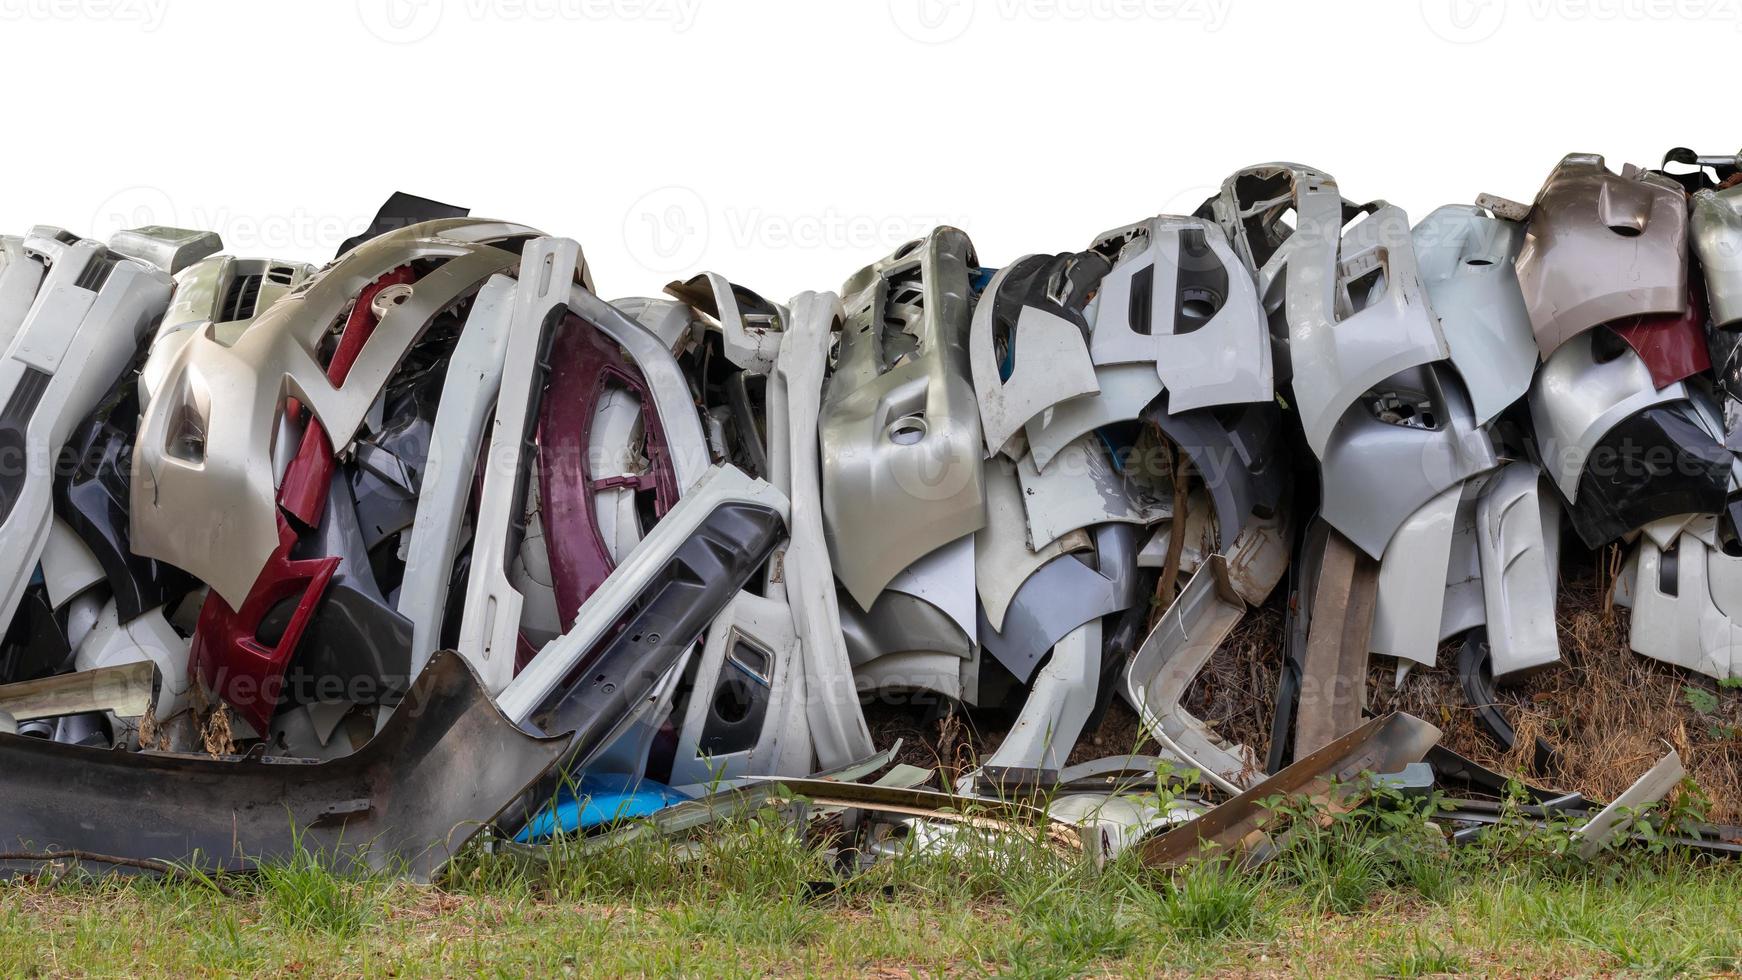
938, 21
409, 21
1472, 21
148, 14
669, 229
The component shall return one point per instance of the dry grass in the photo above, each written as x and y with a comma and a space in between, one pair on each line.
1608, 712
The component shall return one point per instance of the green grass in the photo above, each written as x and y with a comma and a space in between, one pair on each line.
1353, 895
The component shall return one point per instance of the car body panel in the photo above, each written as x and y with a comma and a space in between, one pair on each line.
1466, 258
1046, 355
1601, 246
1684, 612
1715, 233
1378, 472
1159, 674
1412, 581
209, 508
1205, 331
807, 574
901, 440
1518, 540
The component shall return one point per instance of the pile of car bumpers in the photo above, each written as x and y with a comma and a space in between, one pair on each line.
432, 539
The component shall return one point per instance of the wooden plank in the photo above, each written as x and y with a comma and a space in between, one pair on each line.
1333, 684
1324, 777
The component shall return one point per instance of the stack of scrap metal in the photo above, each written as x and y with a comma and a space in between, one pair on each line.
432, 539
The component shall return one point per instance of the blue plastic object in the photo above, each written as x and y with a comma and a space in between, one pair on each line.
596, 799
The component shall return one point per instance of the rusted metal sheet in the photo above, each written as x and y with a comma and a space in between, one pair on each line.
1325, 778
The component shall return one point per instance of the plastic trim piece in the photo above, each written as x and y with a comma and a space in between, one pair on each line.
1465, 606
1476, 677
1002, 558
1672, 345
685, 442
490, 624
1661, 461
124, 689
749, 689
461, 424
1577, 399
1159, 674
807, 576
1237, 452
147, 638
1063, 595
21, 274
750, 341
945, 579
1125, 391
899, 625
1658, 782
169, 249
1059, 703
545, 674
617, 418
68, 567
1083, 489
399, 211
92, 497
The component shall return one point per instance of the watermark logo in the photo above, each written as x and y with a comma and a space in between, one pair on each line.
410, 21
1472, 21
666, 229
400, 21
135, 207
669, 229
932, 21
288, 234
147, 14
1464, 21
938, 21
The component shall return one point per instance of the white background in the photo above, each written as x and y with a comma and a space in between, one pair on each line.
786, 143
